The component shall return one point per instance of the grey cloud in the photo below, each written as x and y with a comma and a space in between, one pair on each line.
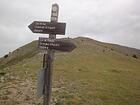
116, 21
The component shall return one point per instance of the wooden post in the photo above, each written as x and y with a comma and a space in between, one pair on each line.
48, 60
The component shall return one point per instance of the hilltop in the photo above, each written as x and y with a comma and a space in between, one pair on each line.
95, 73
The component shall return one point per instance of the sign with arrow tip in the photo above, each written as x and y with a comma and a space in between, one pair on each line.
56, 44
49, 44
47, 27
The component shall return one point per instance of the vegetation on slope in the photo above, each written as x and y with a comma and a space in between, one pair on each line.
19, 54
93, 74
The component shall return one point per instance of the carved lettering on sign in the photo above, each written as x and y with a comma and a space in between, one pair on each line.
48, 27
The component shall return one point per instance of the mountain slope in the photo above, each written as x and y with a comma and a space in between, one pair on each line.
19, 54
93, 74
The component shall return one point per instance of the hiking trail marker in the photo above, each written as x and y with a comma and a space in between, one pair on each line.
50, 45
47, 27
56, 44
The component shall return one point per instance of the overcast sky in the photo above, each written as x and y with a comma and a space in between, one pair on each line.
115, 21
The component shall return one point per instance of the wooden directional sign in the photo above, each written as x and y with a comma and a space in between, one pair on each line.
56, 44
47, 27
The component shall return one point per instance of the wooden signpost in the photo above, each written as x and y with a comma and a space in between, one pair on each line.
56, 44
47, 27
50, 45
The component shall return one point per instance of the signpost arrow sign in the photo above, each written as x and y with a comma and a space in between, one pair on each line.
47, 27
50, 44
56, 44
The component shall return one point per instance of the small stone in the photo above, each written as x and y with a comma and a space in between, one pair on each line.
2, 79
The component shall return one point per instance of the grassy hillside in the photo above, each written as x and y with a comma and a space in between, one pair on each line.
19, 54
94, 74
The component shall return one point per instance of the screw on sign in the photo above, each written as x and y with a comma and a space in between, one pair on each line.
50, 45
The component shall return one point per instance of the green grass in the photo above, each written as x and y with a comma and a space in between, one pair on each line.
88, 76
108, 80
20, 54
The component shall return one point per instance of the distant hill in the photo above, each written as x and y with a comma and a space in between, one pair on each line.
19, 54
29, 50
95, 73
